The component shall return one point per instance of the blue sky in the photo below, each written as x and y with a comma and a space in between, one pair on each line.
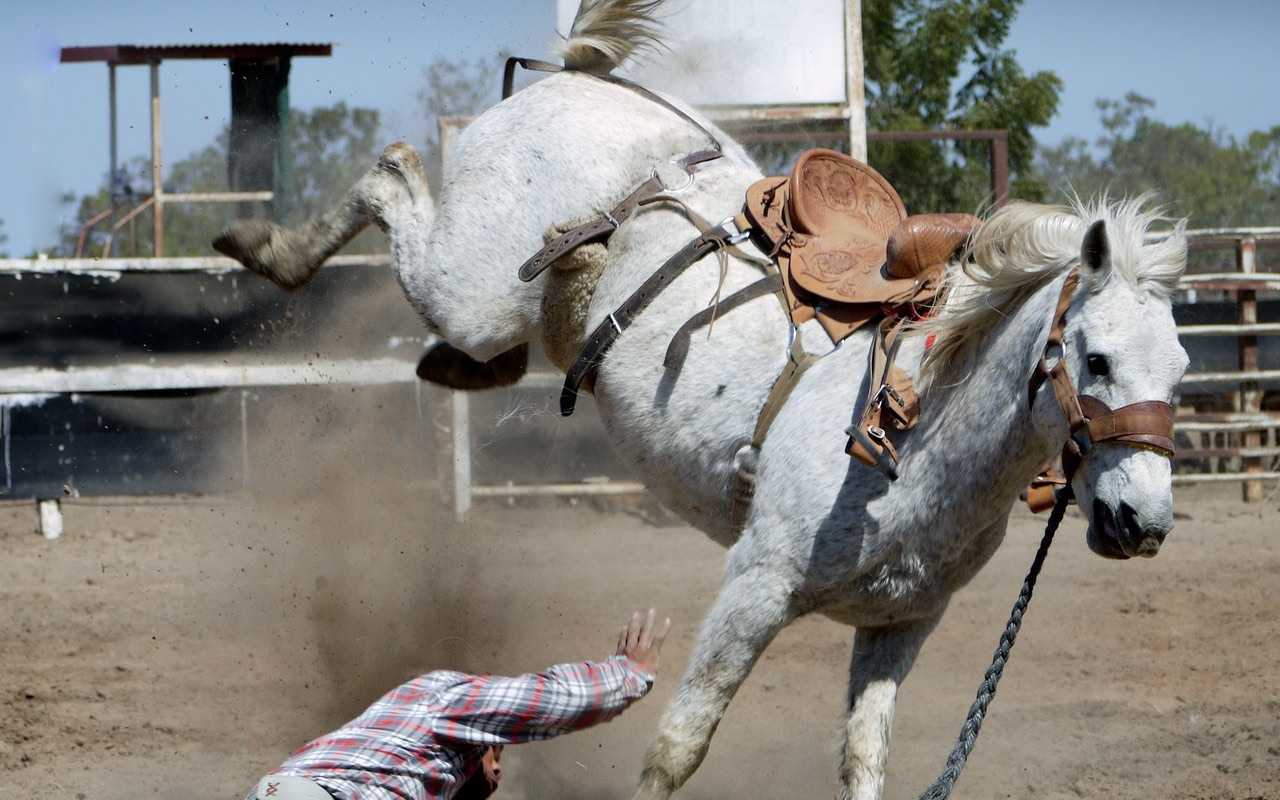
1217, 62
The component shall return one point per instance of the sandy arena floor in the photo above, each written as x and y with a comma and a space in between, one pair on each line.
180, 649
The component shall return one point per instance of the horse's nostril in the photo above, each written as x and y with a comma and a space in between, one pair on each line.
1133, 528
1102, 516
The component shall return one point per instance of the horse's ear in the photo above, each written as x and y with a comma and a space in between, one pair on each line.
1095, 253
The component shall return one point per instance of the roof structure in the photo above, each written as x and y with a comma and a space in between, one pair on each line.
147, 53
257, 152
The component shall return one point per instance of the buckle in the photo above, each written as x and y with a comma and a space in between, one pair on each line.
886, 390
875, 450
688, 179
732, 234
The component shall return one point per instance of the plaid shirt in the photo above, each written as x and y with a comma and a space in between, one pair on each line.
423, 739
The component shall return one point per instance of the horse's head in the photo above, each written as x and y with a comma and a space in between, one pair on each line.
1121, 347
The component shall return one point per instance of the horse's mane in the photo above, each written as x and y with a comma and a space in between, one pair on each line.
1022, 246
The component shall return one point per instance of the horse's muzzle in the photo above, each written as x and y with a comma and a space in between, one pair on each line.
1120, 535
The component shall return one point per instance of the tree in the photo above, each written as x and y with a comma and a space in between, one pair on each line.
331, 147
915, 52
1204, 174
455, 88
3, 238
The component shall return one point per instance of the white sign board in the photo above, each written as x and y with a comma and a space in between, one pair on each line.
746, 52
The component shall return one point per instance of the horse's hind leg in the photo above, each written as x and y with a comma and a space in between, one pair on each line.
751, 608
446, 365
290, 257
394, 195
882, 657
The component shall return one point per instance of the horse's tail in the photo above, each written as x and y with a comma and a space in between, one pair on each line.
606, 33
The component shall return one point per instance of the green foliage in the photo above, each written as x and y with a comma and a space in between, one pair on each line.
331, 148
1201, 173
915, 53
3, 238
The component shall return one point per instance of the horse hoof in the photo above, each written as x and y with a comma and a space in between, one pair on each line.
400, 158
446, 365
267, 249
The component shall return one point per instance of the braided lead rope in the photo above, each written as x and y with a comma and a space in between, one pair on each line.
941, 788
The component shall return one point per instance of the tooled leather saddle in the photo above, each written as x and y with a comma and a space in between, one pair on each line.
846, 254
841, 236
849, 255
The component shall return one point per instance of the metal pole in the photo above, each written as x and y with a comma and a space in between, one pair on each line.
244, 440
1249, 398
459, 405
7, 428
855, 83
440, 417
461, 429
157, 183
111, 94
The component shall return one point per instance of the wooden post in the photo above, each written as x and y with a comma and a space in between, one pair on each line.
1249, 398
1000, 168
460, 404
111, 95
50, 518
244, 441
112, 182
157, 182
855, 82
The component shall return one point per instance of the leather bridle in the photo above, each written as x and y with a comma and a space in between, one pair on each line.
1146, 425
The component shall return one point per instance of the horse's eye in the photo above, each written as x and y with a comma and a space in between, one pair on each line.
1098, 365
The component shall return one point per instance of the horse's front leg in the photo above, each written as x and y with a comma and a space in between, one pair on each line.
750, 610
882, 657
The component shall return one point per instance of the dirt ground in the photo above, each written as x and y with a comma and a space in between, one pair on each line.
181, 648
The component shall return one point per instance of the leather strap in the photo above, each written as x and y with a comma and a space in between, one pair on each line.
599, 228
604, 226
608, 331
1054, 342
678, 347
1146, 425
798, 362
532, 64
868, 437
687, 162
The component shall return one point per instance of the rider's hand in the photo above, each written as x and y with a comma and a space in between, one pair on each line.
641, 640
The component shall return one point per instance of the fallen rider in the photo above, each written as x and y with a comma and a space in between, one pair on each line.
441, 735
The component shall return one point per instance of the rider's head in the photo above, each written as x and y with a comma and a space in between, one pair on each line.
484, 781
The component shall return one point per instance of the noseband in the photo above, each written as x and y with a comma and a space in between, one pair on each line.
1147, 425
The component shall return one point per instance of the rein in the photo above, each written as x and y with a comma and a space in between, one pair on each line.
1146, 425
941, 788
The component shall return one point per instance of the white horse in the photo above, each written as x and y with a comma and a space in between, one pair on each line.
824, 533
